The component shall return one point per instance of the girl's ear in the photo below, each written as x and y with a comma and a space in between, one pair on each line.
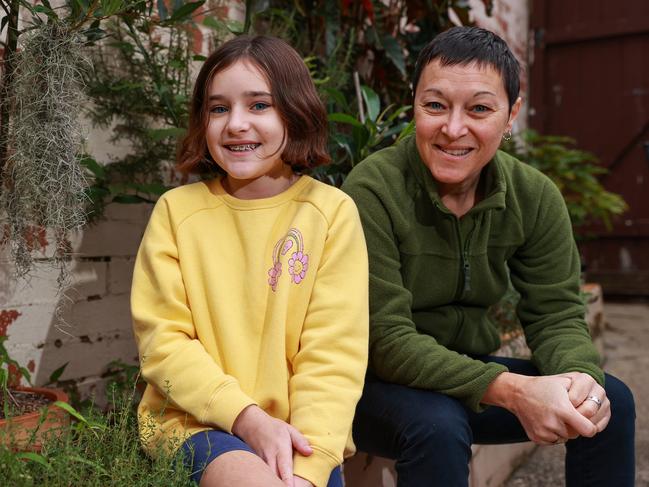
516, 107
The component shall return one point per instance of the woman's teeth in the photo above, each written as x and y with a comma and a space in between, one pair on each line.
456, 152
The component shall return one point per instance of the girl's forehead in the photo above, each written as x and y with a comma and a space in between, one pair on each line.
240, 73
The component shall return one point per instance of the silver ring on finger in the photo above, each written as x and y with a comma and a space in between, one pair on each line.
596, 400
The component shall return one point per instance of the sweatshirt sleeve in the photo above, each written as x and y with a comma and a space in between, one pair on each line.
172, 358
546, 272
398, 352
329, 368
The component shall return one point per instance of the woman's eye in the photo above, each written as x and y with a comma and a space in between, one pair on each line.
218, 109
434, 105
260, 105
480, 109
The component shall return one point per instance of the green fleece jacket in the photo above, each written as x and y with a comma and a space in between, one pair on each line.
433, 275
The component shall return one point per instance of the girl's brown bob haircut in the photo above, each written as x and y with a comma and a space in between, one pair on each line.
294, 97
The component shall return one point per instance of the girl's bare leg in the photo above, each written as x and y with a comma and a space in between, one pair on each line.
239, 468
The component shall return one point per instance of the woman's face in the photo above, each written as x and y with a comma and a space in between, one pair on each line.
461, 114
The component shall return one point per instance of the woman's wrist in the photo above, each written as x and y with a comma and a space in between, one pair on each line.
504, 390
247, 420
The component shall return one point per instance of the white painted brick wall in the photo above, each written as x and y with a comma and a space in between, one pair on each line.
97, 328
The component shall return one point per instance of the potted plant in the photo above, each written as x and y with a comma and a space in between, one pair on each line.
27, 414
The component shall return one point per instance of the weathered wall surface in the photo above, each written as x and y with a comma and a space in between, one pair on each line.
96, 314
509, 19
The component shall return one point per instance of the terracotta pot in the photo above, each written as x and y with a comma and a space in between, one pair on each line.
26, 432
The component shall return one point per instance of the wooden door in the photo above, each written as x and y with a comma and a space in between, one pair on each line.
589, 79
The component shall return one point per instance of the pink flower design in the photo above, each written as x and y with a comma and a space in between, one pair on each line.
287, 246
297, 266
273, 275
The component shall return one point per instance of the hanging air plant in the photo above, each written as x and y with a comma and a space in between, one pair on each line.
43, 182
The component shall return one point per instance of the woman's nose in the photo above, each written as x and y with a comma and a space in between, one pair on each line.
455, 126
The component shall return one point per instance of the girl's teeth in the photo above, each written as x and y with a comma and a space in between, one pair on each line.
243, 147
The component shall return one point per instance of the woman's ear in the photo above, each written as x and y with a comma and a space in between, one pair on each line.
516, 107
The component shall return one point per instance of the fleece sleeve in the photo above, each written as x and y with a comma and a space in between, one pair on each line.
546, 271
172, 358
329, 368
398, 352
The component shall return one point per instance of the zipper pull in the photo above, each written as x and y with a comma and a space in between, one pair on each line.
467, 272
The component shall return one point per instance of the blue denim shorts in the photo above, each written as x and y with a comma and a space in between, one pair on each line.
203, 447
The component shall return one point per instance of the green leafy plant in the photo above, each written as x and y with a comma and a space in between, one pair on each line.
354, 137
574, 171
140, 89
10, 374
99, 449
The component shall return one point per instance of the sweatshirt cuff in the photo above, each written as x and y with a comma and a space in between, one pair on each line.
493, 371
316, 468
224, 407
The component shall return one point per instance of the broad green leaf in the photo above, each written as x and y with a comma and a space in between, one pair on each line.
344, 118
372, 102
34, 457
395, 53
73, 412
94, 167
54, 376
184, 12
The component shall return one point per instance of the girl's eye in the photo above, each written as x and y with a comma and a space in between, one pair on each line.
218, 109
260, 105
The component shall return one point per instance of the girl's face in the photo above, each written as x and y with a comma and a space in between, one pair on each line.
245, 134
461, 114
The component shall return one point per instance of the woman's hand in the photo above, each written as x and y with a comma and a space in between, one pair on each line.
542, 405
584, 392
272, 439
300, 482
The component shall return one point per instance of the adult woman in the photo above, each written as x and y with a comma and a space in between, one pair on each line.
448, 221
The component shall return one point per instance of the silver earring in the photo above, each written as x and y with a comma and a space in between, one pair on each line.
507, 135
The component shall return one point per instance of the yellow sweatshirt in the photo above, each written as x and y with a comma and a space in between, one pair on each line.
238, 302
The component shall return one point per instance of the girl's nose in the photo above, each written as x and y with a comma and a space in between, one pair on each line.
455, 126
238, 120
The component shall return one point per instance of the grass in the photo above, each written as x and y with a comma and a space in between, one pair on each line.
101, 448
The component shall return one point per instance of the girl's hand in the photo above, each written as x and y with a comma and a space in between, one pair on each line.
300, 482
272, 439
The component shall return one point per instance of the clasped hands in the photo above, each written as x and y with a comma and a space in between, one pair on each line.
274, 441
552, 409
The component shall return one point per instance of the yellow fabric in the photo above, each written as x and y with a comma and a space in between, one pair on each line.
239, 302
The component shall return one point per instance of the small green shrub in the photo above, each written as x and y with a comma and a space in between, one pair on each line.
98, 450
575, 173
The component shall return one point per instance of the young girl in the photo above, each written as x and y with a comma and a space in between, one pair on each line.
249, 292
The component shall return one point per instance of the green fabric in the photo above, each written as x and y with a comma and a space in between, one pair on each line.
433, 276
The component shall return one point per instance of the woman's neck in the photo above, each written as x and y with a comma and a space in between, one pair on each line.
460, 198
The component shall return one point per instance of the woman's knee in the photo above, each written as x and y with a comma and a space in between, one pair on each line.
443, 425
622, 402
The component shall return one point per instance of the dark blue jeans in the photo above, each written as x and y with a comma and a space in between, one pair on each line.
430, 434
